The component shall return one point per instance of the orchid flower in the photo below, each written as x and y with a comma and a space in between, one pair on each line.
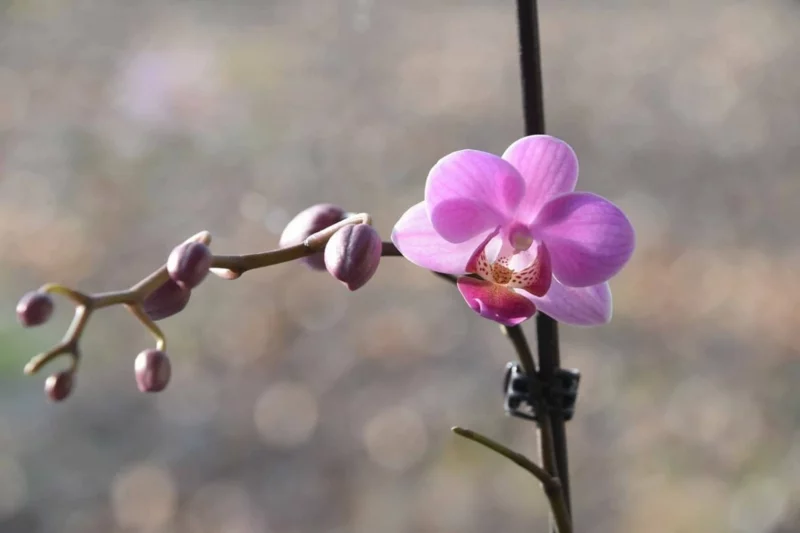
518, 235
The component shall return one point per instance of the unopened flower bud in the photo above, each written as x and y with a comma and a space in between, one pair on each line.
167, 300
352, 255
203, 236
58, 386
308, 222
153, 370
188, 263
34, 309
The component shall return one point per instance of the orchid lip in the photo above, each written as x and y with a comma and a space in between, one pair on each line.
534, 278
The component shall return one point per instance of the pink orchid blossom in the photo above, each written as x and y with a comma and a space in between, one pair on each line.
518, 235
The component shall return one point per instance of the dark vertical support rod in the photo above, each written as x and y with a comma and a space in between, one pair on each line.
533, 107
530, 65
549, 363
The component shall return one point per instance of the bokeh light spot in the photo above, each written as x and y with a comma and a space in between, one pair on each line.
222, 508
143, 496
396, 438
286, 414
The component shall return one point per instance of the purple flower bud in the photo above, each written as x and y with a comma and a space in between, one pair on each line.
153, 370
315, 218
167, 300
352, 255
58, 386
188, 263
34, 309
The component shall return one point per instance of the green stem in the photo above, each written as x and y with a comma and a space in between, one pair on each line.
550, 484
236, 265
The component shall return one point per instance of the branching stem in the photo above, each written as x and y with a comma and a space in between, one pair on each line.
133, 298
550, 484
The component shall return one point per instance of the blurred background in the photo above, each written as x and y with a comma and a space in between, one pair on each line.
296, 406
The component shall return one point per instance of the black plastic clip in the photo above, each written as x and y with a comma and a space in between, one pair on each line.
524, 393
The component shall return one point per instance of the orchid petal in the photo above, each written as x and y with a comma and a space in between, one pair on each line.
496, 302
416, 239
585, 306
548, 166
460, 219
468, 192
589, 238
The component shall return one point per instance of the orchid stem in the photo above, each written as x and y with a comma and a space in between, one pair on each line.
137, 311
388, 249
546, 328
86, 304
550, 483
538, 472
521, 346
239, 264
549, 365
232, 266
